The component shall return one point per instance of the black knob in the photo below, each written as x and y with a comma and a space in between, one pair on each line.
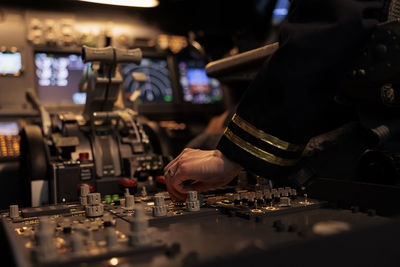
381, 50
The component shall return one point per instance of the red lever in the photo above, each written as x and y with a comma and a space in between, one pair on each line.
125, 182
160, 179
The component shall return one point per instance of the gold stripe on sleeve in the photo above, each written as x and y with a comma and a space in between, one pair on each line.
259, 153
272, 140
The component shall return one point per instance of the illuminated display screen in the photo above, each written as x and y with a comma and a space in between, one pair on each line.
9, 128
158, 86
58, 76
10, 63
280, 11
197, 87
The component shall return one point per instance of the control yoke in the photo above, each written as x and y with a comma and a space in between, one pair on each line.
105, 81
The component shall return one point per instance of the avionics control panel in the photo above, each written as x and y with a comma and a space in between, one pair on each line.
151, 230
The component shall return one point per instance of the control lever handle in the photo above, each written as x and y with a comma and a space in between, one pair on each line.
128, 55
111, 55
33, 99
105, 54
45, 116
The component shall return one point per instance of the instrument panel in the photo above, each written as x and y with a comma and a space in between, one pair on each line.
150, 230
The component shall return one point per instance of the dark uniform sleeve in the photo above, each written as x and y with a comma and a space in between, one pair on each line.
292, 97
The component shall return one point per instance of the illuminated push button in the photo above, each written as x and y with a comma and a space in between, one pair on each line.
159, 208
115, 197
84, 156
14, 211
193, 204
107, 199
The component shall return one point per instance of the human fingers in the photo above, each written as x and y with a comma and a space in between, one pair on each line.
186, 150
192, 157
168, 181
187, 156
171, 171
173, 185
187, 153
175, 195
187, 174
166, 168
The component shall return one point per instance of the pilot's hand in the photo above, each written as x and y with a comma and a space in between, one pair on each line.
198, 170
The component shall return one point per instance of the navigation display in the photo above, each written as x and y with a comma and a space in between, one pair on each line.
158, 86
197, 87
58, 76
10, 63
